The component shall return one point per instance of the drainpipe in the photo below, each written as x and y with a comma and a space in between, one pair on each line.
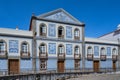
83, 50
118, 54
34, 45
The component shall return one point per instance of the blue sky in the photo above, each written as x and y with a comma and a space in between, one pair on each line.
100, 16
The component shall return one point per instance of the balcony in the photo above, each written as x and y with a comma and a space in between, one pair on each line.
102, 57
25, 54
3, 54
43, 55
60, 36
77, 56
89, 56
43, 34
61, 56
76, 37
114, 57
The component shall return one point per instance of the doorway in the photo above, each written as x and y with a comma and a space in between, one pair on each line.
13, 66
114, 65
60, 66
96, 66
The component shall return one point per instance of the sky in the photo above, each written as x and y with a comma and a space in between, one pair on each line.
100, 16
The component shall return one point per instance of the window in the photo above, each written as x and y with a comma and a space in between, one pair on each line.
24, 47
76, 34
2, 47
89, 50
77, 64
43, 65
42, 48
60, 32
43, 30
76, 50
60, 49
114, 51
102, 51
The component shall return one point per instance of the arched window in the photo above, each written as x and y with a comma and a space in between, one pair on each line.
25, 48
76, 34
42, 48
77, 50
2, 47
60, 32
60, 49
102, 51
114, 51
89, 50
43, 30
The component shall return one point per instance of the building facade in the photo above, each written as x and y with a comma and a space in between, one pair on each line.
55, 41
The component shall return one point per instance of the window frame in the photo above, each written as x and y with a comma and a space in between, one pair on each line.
43, 29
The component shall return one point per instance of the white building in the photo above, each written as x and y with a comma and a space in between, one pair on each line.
55, 41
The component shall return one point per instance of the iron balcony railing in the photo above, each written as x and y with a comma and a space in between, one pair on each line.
43, 55
77, 56
102, 57
114, 57
61, 56
42, 34
89, 56
25, 54
76, 37
60, 36
24, 71
3, 54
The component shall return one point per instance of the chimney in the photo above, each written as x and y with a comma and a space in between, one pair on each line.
16, 27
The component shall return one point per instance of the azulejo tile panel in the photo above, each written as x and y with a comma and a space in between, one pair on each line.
13, 46
96, 50
52, 48
52, 30
69, 49
68, 32
61, 16
108, 51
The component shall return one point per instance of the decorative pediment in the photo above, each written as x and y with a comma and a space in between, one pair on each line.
59, 15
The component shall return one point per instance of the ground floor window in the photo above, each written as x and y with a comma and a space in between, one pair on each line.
77, 64
43, 65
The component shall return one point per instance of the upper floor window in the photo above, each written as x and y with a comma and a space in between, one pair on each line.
60, 32
24, 47
76, 50
43, 30
89, 50
76, 34
60, 49
43, 65
114, 51
2, 46
102, 51
42, 48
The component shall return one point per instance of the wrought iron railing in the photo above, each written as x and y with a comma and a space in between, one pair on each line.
3, 54
43, 55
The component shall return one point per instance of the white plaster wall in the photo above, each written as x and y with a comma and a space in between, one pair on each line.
26, 64
100, 46
18, 32
88, 64
38, 22
57, 43
37, 64
3, 64
20, 40
69, 64
106, 64
52, 64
